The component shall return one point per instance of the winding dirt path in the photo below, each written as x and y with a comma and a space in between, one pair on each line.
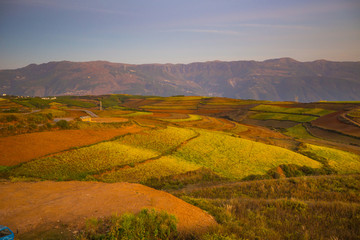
26, 206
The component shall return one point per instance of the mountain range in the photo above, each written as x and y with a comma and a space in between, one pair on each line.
281, 79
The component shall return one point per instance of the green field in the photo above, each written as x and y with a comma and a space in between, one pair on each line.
283, 117
278, 109
299, 131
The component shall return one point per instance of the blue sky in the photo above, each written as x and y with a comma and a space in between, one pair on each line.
173, 31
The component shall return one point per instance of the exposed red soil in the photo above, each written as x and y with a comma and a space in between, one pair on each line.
109, 120
24, 147
332, 122
332, 136
26, 206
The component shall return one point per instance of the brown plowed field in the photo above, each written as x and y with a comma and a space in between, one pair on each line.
26, 206
22, 148
332, 136
267, 136
331, 122
270, 123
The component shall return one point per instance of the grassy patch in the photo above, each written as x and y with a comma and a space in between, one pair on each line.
341, 161
137, 114
148, 224
73, 102
54, 112
325, 207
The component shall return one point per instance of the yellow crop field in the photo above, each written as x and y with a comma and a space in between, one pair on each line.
129, 149
191, 117
341, 161
77, 164
236, 158
278, 109
165, 166
160, 140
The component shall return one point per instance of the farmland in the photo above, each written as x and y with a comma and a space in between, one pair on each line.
242, 161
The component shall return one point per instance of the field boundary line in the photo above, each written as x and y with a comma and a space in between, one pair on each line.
166, 153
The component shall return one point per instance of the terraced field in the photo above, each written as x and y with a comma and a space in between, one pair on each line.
192, 147
343, 162
16, 149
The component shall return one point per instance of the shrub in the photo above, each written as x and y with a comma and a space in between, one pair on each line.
148, 224
63, 124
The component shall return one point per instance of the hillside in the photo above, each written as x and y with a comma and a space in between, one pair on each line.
278, 79
284, 166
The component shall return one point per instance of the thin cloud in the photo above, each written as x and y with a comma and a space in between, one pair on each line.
213, 31
66, 5
257, 25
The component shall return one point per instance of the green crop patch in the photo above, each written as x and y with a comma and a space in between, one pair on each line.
299, 131
278, 109
282, 117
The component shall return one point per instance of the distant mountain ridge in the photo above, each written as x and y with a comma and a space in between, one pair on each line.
276, 79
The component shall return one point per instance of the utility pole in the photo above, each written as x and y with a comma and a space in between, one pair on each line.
100, 105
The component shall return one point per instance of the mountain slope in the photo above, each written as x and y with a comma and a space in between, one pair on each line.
277, 79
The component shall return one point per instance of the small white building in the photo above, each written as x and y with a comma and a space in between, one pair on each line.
85, 118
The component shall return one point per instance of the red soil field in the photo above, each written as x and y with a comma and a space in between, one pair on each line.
26, 206
109, 120
22, 148
332, 122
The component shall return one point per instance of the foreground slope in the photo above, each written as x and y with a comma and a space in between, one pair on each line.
69, 203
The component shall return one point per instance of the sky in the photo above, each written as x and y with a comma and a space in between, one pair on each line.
177, 31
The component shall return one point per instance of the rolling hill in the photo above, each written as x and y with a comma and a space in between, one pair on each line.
277, 79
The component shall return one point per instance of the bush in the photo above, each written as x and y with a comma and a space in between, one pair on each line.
148, 224
63, 124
